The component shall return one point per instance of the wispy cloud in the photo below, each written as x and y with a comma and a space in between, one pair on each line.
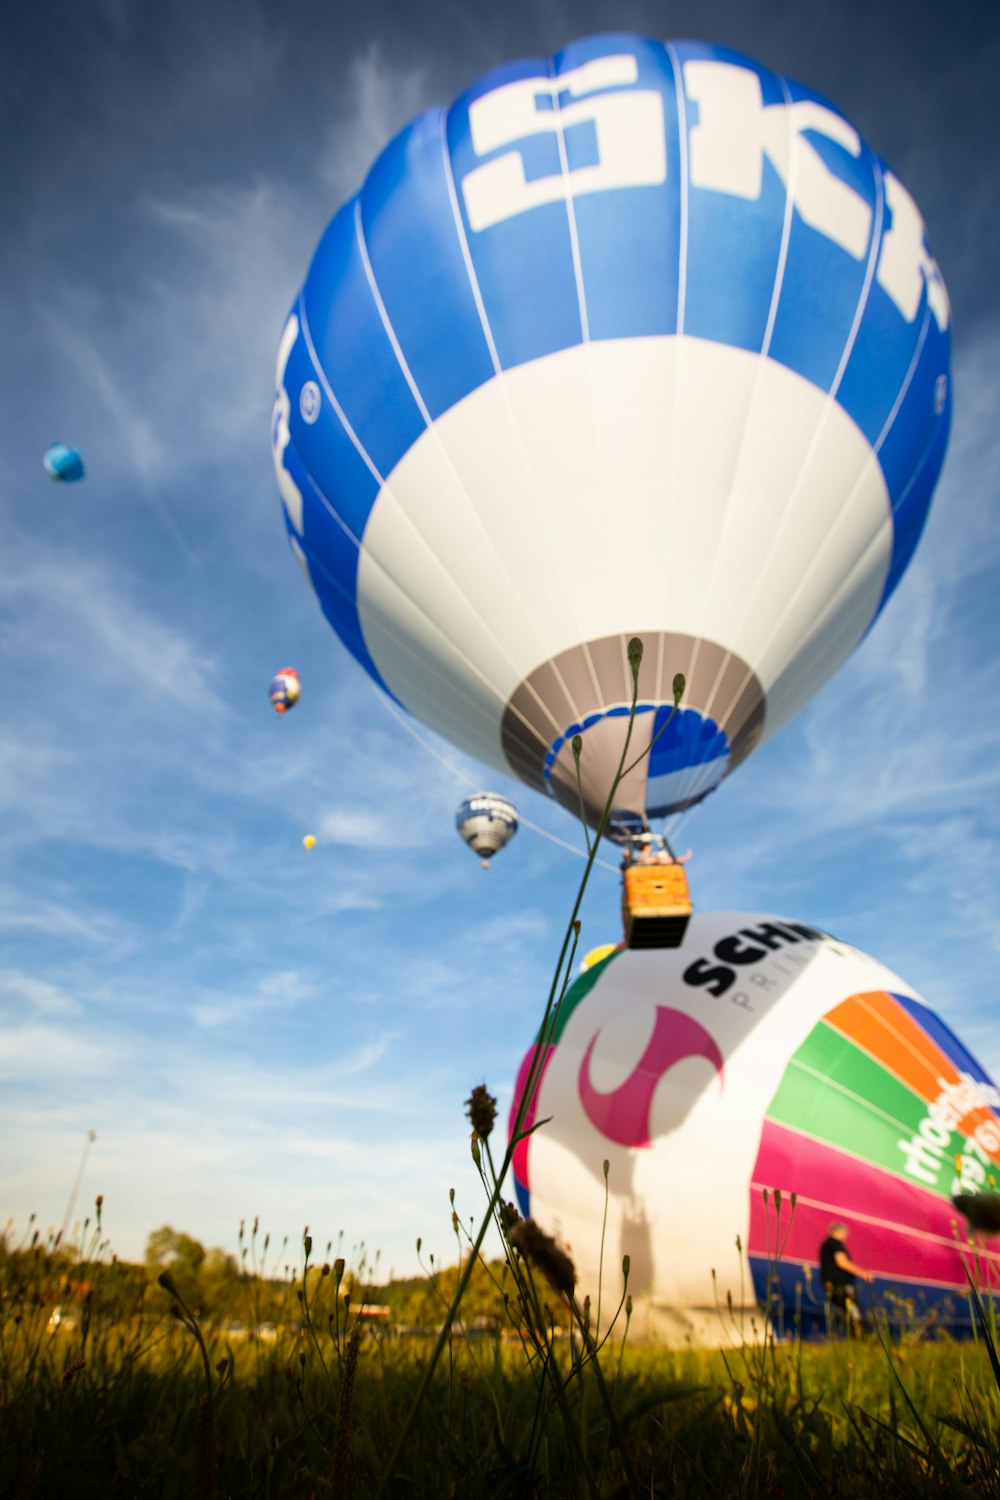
25, 992
380, 98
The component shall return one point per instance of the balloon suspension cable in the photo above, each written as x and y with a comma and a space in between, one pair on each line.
473, 786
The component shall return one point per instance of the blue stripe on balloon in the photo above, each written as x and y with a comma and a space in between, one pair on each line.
946, 1039
733, 244
689, 740
324, 446
333, 564
823, 283
629, 238
354, 349
524, 264
409, 229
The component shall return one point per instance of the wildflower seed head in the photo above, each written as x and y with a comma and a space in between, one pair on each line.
476, 1154
576, 745
540, 1250
680, 683
509, 1216
167, 1282
626, 1267
481, 1109
635, 657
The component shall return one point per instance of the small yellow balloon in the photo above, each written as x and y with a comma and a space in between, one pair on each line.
309, 841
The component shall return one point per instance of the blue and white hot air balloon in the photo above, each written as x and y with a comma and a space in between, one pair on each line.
487, 822
642, 341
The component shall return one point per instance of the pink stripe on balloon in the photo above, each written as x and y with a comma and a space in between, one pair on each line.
623, 1114
520, 1157
897, 1229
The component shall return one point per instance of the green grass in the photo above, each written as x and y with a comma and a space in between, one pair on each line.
125, 1403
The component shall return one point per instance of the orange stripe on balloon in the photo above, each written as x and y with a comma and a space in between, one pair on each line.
878, 1024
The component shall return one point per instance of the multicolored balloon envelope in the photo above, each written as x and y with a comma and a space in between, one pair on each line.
284, 690
640, 341
762, 1055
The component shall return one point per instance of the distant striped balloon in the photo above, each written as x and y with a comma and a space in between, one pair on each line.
763, 1055
644, 340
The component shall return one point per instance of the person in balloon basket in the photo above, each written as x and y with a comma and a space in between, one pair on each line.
839, 1273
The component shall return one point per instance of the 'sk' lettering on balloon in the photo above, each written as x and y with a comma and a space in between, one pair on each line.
762, 1055
640, 341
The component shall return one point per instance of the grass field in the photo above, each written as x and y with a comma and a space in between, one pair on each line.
117, 1395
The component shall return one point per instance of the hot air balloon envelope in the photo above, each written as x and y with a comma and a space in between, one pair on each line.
762, 1055
309, 842
487, 822
63, 463
596, 954
284, 689
640, 341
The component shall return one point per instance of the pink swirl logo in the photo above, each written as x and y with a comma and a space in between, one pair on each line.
623, 1113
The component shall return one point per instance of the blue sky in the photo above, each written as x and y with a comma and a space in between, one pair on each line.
251, 1029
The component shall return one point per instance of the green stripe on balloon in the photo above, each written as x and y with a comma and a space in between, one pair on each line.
835, 1092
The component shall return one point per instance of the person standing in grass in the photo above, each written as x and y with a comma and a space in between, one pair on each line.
839, 1273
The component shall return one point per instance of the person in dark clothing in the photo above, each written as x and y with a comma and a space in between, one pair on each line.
838, 1273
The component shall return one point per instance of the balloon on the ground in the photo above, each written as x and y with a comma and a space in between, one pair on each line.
309, 842
285, 689
487, 822
763, 1057
642, 341
63, 463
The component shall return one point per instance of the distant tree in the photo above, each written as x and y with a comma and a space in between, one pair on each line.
166, 1249
160, 1247
181, 1255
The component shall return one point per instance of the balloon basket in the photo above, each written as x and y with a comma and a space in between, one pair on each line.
656, 906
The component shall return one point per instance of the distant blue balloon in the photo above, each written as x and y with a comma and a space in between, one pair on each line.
63, 463
642, 340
